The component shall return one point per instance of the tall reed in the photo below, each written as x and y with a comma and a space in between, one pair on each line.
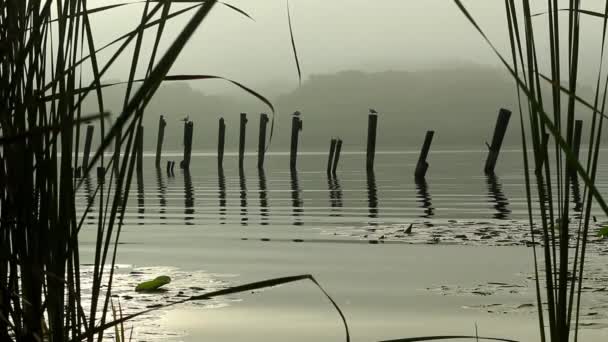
550, 176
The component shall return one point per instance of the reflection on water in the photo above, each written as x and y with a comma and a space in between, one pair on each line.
497, 197
221, 178
243, 195
188, 198
335, 196
162, 195
372, 197
424, 198
264, 211
307, 197
141, 205
296, 199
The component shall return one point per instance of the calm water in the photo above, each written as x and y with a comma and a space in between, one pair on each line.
455, 188
210, 229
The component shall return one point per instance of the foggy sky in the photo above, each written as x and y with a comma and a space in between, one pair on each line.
336, 35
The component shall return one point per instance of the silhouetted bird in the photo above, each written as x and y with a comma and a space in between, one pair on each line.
372, 111
297, 113
186, 119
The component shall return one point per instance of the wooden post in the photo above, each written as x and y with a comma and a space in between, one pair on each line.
262, 140
168, 168
422, 165
188, 132
578, 129
576, 144
330, 160
296, 127
220, 144
117, 148
101, 174
87, 148
499, 134
161, 137
242, 131
336, 157
372, 125
139, 141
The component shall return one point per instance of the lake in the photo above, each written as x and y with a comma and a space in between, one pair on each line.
466, 261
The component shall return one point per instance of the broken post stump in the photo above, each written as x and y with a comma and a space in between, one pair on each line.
422, 165
336, 157
332, 151
188, 133
221, 138
372, 125
262, 140
242, 131
139, 146
117, 148
87, 147
296, 127
576, 144
499, 133
161, 137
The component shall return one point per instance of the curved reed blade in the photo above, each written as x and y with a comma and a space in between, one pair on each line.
571, 158
455, 337
152, 83
231, 290
293, 44
57, 128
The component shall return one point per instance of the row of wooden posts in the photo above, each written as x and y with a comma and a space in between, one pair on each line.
334, 150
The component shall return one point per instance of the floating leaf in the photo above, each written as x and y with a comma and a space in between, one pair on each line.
152, 285
603, 232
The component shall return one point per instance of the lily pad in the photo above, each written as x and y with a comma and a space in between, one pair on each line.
152, 285
604, 232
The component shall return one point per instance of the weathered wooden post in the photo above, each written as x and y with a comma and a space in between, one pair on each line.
576, 144
499, 134
242, 131
87, 148
372, 125
422, 165
578, 129
168, 168
262, 140
188, 132
139, 145
296, 127
161, 137
101, 171
336, 157
220, 144
332, 151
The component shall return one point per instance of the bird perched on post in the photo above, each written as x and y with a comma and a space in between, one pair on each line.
297, 113
372, 111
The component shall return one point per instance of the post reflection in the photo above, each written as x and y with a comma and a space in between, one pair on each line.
243, 196
222, 194
162, 194
424, 198
264, 211
296, 199
141, 205
335, 196
372, 197
498, 198
188, 198
90, 193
